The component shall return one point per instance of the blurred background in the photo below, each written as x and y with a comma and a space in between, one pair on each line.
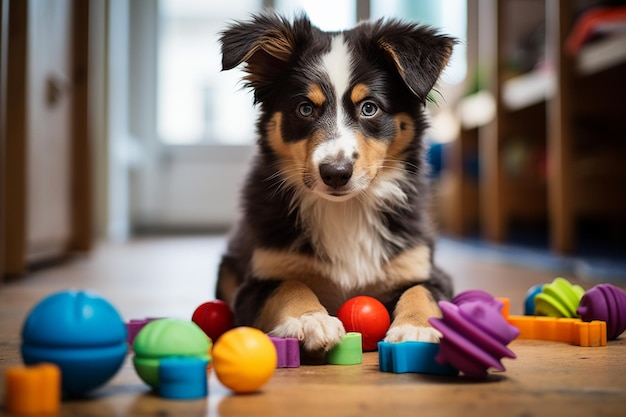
117, 123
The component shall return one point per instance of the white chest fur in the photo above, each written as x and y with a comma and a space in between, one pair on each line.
351, 236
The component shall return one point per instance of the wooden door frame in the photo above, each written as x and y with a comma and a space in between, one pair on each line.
13, 204
82, 163
14, 150
4, 20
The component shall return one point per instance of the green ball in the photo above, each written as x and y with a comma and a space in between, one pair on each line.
166, 338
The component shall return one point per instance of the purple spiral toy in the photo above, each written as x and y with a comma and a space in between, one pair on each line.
477, 295
607, 303
475, 334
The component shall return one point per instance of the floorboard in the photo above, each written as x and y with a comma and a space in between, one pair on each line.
170, 277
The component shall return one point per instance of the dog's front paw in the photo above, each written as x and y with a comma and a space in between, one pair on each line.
316, 330
408, 332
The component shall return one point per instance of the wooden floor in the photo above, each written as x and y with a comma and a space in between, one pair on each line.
172, 276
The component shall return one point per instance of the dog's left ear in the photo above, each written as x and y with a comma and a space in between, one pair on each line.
419, 53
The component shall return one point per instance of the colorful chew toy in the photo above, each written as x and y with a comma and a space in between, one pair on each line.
164, 339
348, 352
478, 295
558, 299
244, 359
81, 333
475, 335
183, 378
529, 302
365, 315
558, 329
416, 357
134, 326
607, 303
33, 390
215, 318
287, 351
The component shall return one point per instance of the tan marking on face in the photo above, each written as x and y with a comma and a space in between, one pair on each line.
291, 299
377, 155
316, 95
275, 136
415, 306
409, 266
405, 133
371, 155
293, 156
359, 92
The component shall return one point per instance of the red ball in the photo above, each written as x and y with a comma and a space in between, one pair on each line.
214, 318
365, 315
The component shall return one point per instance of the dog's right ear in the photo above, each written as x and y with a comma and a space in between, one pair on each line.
419, 53
266, 44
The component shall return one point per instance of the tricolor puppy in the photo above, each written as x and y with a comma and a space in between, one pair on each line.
336, 202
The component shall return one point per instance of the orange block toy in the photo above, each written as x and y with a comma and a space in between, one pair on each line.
590, 334
33, 390
574, 331
506, 306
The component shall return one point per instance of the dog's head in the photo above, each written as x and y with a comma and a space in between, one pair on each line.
338, 109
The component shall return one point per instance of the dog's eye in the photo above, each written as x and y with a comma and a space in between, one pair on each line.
306, 110
368, 109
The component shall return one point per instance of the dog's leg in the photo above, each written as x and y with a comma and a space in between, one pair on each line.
290, 310
227, 283
410, 317
234, 265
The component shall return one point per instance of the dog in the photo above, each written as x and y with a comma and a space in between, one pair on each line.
336, 202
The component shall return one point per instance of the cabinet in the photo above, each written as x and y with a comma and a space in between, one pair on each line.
552, 155
46, 202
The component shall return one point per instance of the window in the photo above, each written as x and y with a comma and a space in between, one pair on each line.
196, 103
325, 14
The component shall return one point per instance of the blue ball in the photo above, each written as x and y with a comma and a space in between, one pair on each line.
529, 303
79, 331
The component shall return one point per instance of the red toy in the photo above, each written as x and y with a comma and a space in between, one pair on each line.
365, 315
214, 318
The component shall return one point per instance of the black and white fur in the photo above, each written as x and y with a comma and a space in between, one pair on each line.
336, 201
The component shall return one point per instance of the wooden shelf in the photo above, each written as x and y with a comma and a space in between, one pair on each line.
477, 110
568, 118
528, 89
602, 55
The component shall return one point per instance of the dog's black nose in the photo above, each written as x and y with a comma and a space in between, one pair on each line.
336, 175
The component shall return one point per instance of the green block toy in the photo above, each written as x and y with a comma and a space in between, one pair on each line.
348, 352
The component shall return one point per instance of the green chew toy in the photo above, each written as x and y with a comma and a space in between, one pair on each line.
348, 352
558, 299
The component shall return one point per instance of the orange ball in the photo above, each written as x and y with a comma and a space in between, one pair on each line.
244, 359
